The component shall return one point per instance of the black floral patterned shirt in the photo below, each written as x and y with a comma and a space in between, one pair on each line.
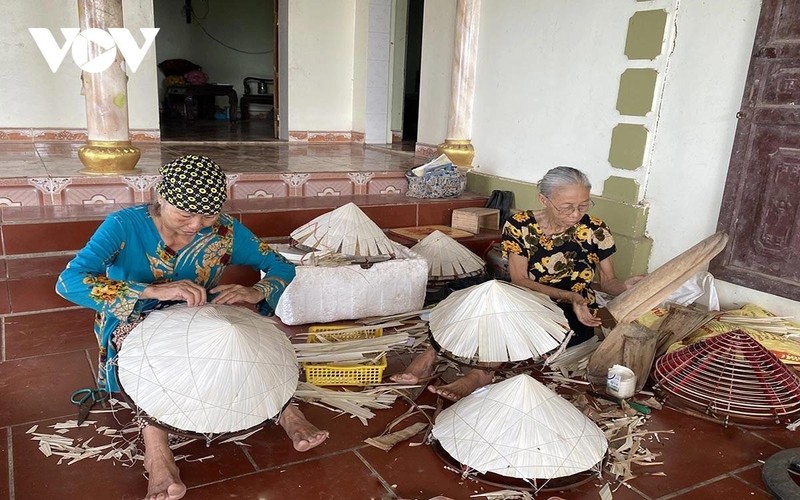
567, 260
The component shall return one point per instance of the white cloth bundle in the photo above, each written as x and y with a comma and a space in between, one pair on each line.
325, 294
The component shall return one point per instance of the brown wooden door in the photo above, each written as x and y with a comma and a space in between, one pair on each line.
762, 193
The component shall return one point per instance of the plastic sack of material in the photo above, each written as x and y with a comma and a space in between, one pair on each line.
701, 285
325, 294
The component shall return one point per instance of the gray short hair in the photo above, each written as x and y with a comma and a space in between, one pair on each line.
562, 176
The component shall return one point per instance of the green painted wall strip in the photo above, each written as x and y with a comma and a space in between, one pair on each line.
646, 34
628, 143
622, 189
636, 90
626, 220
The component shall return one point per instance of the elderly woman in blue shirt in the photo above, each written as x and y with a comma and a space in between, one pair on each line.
174, 250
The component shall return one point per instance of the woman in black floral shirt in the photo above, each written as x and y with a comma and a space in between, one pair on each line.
564, 252
558, 251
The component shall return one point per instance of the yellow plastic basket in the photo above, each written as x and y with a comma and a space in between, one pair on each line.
361, 375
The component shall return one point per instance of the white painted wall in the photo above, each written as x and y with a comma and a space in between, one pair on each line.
691, 151
546, 88
320, 79
438, 39
244, 25
34, 97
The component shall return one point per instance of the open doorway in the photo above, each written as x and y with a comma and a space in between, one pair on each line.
405, 73
217, 63
412, 71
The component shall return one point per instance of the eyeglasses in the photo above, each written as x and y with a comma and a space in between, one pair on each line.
568, 210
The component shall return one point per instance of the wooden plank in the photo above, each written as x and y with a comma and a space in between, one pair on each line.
417, 233
656, 286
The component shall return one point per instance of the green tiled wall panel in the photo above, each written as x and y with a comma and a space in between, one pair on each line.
632, 256
645, 34
621, 188
628, 142
526, 194
636, 89
627, 221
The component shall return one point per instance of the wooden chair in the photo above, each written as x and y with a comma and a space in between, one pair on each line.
256, 91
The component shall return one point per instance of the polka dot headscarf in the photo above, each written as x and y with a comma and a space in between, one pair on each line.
194, 184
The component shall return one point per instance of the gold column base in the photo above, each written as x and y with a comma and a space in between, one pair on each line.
108, 157
460, 152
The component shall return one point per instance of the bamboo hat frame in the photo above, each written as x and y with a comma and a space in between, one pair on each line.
519, 428
208, 370
447, 258
497, 322
346, 230
731, 377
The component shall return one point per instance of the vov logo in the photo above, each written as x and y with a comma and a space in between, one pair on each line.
109, 41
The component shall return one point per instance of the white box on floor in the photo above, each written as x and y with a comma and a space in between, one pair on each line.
325, 294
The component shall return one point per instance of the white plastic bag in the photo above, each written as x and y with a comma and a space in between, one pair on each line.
701, 285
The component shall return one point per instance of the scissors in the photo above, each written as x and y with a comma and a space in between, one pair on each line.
86, 399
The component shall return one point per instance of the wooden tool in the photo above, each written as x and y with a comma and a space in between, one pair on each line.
611, 351
639, 299
639, 352
657, 286
679, 323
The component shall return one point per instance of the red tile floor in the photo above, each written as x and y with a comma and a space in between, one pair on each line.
48, 355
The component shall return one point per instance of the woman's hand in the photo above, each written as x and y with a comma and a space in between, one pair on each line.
236, 294
633, 280
185, 290
581, 308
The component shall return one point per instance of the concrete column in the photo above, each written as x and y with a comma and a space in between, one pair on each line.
458, 145
108, 149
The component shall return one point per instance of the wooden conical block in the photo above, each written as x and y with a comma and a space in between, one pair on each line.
639, 352
656, 286
611, 351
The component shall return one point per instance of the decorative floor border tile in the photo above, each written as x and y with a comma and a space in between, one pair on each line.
92, 190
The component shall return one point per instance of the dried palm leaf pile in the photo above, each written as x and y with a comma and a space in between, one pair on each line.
498, 322
356, 403
120, 445
777, 325
208, 370
349, 351
627, 434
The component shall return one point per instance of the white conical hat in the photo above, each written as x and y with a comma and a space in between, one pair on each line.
498, 322
209, 369
520, 428
447, 258
346, 230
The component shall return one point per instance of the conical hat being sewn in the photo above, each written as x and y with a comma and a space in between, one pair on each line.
498, 322
447, 258
346, 230
520, 428
209, 369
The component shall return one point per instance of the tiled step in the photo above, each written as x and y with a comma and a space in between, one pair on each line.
93, 190
39, 241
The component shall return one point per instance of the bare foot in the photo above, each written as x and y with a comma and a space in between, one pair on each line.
163, 475
420, 368
303, 434
463, 386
